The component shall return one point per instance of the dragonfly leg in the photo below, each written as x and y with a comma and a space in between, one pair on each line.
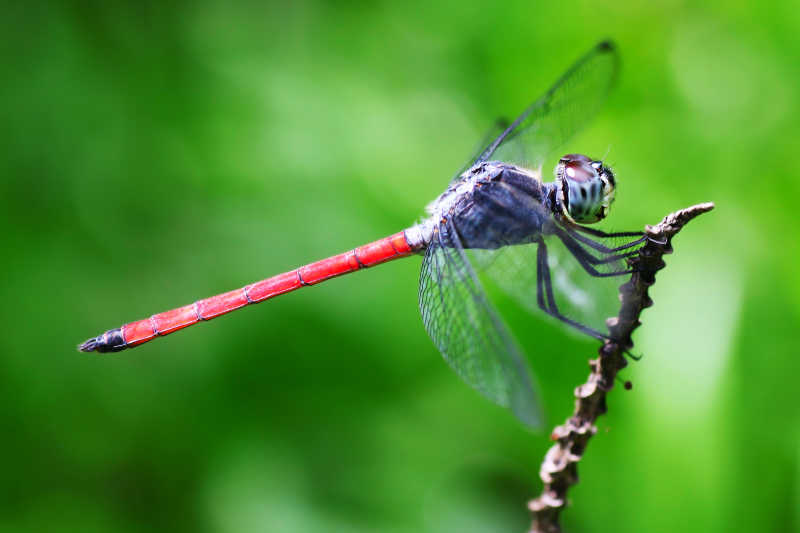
610, 258
603, 234
546, 299
587, 260
605, 249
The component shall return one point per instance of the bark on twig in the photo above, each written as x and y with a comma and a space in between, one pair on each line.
559, 468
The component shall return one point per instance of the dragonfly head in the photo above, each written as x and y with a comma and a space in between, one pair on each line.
584, 188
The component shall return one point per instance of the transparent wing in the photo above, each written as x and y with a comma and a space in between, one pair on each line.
563, 111
467, 330
500, 125
580, 296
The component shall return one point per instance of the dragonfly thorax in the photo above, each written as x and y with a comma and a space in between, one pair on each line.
584, 188
492, 204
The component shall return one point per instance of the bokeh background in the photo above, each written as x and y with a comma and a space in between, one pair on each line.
154, 154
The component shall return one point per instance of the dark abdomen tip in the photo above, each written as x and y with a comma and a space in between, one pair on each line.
110, 341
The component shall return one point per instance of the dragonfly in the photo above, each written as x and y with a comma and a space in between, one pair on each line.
496, 216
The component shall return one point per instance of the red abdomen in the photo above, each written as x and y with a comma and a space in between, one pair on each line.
136, 333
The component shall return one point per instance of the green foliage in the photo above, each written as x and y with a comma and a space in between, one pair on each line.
152, 155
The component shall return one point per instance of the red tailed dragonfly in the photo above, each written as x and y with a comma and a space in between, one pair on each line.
496, 212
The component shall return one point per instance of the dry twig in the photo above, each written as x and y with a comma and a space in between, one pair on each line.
559, 469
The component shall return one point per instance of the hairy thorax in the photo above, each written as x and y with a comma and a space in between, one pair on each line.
490, 205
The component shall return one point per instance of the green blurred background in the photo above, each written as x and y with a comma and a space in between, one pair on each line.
152, 155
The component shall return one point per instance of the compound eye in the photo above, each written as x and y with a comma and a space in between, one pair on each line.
575, 158
580, 171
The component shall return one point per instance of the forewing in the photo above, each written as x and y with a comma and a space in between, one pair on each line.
467, 330
560, 113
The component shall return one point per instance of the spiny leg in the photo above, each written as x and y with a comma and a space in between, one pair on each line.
546, 299
587, 260
601, 248
603, 234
